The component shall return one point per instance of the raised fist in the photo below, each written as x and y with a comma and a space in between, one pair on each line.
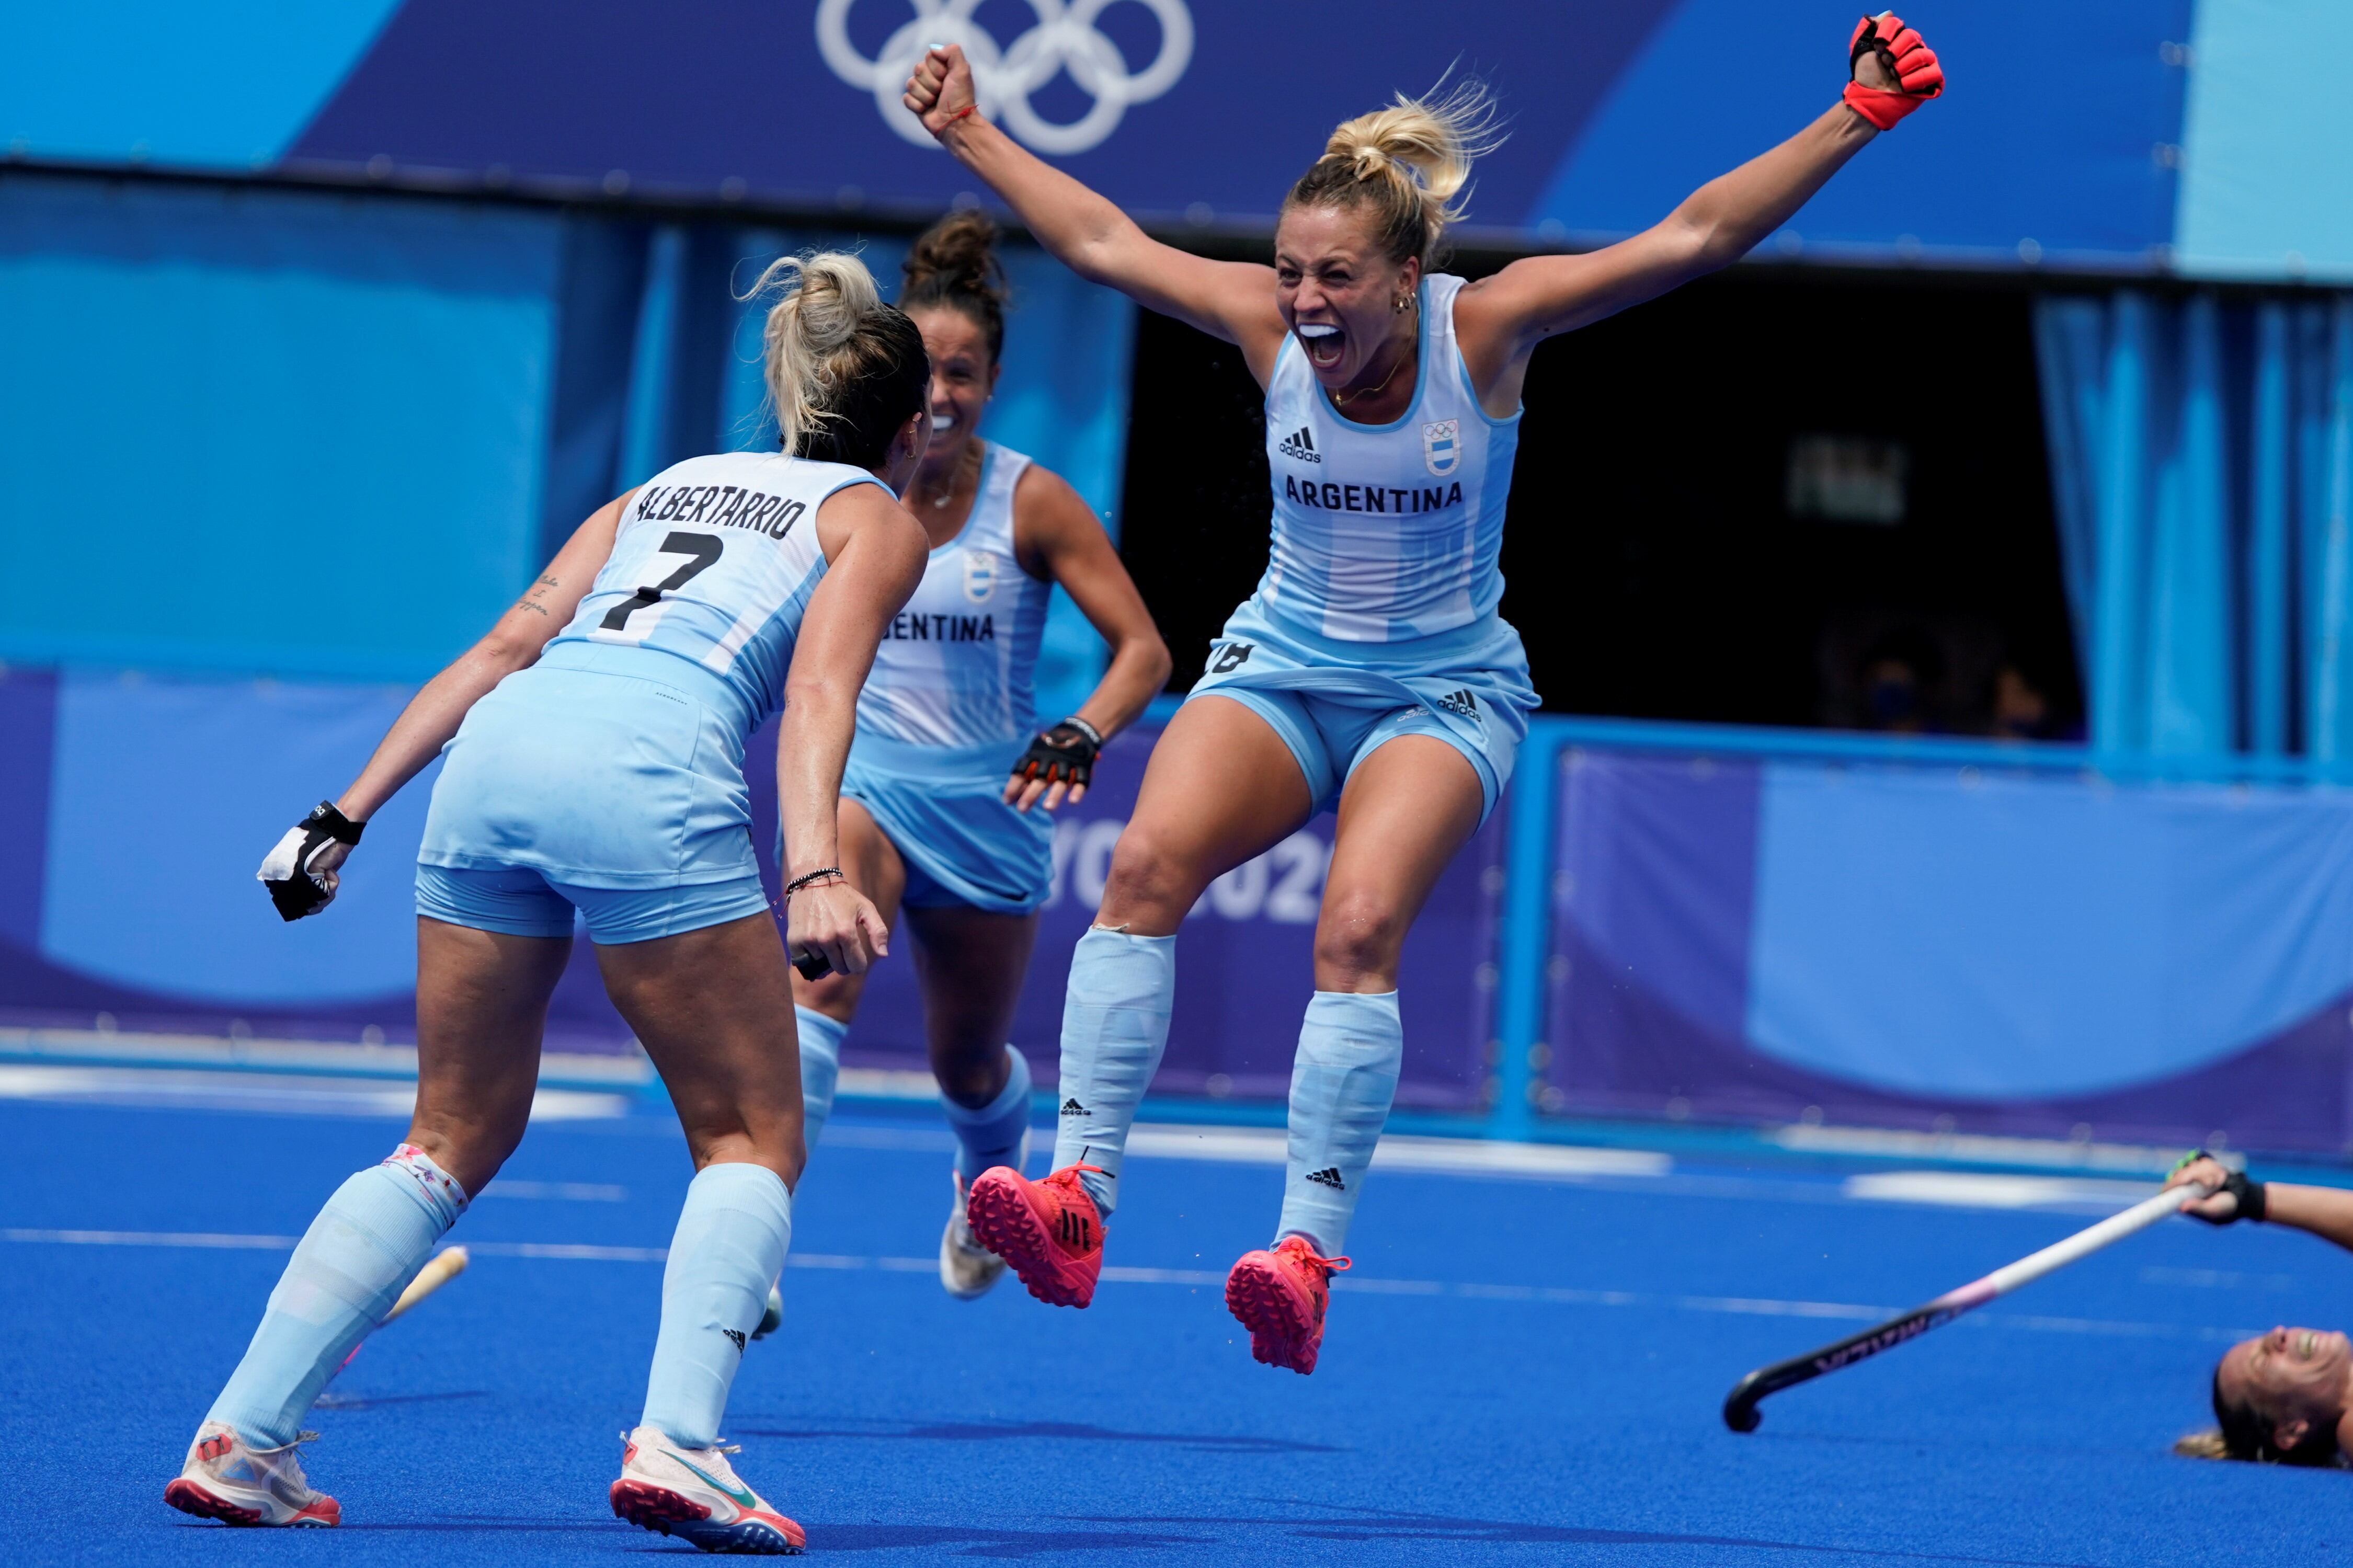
940, 92
1893, 70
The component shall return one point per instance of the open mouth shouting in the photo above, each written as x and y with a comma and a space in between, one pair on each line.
942, 423
1322, 342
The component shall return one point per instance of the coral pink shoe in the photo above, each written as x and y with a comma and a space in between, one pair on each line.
1049, 1232
1279, 1296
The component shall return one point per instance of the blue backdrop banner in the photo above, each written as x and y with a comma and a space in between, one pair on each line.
1952, 947
199, 950
2062, 135
305, 434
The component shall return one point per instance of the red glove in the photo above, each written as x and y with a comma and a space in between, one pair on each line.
1904, 57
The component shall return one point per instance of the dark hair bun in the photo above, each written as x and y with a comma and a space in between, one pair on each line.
959, 252
954, 264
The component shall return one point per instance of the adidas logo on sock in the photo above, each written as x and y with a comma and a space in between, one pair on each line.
737, 1335
1072, 1108
1300, 445
1328, 1177
1460, 704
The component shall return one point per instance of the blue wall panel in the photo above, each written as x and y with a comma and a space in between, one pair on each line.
217, 771
268, 432
230, 83
2025, 938
2034, 138
2267, 177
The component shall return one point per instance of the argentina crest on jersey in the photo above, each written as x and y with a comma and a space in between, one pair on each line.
980, 575
1442, 446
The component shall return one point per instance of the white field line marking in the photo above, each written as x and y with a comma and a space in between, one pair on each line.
573, 1251
153, 1238
1981, 1148
1447, 1156
1978, 1190
577, 1069
562, 1191
2216, 1278
191, 1089
1740, 1306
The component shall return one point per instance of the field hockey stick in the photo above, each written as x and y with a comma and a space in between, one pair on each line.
439, 1270
1740, 1411
445, 1265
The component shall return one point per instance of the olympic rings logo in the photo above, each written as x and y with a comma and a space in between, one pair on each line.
1065, 39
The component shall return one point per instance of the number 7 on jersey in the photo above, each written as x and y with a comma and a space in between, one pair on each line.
705, 550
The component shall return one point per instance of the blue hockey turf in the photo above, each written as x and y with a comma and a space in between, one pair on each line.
1518, 1371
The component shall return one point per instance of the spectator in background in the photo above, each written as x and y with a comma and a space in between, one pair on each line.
1901, 677
2021, 713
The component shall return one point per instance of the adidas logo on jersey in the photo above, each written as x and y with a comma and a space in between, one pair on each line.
1072, 1108
1459, 703
1328, 1177
1300, 445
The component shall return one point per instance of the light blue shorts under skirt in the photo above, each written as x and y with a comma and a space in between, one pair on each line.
519, 902
942, 808
1335, 703
606, 780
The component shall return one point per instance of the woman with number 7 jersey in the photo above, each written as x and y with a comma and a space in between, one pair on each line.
594, 767
1370, 667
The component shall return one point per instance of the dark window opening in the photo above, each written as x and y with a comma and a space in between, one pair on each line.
1767, 498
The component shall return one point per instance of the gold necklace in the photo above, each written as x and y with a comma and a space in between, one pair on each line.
956, 483
1341, 399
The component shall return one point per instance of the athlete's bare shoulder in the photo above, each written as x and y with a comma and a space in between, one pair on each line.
856, 509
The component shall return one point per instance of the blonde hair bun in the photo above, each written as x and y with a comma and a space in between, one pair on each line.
1410, 162
828, 341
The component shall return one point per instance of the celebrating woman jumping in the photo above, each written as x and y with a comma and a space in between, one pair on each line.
1370, 666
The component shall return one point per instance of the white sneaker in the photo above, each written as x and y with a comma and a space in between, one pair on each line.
692, 1493
967, 1269
226, 1479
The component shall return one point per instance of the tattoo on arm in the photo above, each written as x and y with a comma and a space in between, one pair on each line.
529, 600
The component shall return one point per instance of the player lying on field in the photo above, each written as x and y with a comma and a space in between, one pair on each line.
2285, 1397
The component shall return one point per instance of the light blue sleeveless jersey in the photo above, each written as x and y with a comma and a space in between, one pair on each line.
1387, 533
957, 667
948, 709
617, 760
714, 564
1377, 619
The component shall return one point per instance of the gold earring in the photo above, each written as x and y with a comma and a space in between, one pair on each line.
1400, 307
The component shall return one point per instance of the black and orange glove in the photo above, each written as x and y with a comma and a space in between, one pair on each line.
1906, 58
1063, 754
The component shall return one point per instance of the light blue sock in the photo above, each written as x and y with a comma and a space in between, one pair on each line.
728, 1250
351, 1266
1342, 1082
1114, 1027
991, 1135
821, 1067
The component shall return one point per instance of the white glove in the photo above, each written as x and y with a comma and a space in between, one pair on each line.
300, 871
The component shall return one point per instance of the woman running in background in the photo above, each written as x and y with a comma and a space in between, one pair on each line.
605, 775
1370, 667
937, 802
